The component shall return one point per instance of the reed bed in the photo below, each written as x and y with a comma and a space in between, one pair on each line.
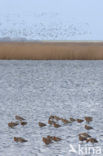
51, 50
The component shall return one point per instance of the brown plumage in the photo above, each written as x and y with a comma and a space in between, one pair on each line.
13, 124
19, 139
56, 138
19, 118
88, 119
41, 124
49, 137
51, 117
92, 140
56, 118
56, 125
72, 119
50, 122
23, 123
88, 127
80, 120
82, 138
47, 141
65, 121
84, 135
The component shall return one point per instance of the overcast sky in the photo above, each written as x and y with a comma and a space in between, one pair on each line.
83, 8
90, 11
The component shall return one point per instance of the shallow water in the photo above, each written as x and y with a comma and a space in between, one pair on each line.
37, 89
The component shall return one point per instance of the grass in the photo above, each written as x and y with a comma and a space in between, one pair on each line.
51, 50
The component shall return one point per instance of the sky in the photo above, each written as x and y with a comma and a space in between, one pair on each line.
90, 11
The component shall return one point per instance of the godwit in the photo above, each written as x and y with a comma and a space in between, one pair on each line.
82, 138
23, 123
47, 141
19, 139
56, 125
72, 119
13, 124
88, 127
56, 138
92, 140
88, 119
84, 135
41, 124
56, 118
80, 120
19, 118
65, 121
50, 122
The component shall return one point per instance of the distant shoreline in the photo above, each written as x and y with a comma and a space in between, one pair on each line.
51, 50
51, 41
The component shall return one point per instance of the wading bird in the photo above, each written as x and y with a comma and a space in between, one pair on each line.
19, 118
13, 124
88, 127
41, 124
88, 119
19, 139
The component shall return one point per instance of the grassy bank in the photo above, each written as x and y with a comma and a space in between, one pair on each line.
51, 50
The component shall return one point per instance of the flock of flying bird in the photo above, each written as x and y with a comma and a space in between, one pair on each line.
53, 121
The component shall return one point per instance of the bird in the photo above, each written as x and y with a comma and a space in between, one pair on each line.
13, 124
23, 123
82, 138
19, 139
56, 118
51, 117
47, 141
50, 122
49, 137
56, 125
41, 124
65, 121
88, 119
72, 119
88, 127
53, 138
56, 138
80, 120
85, 135
92, 140
19, 118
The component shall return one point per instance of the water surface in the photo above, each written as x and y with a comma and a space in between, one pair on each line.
37, 89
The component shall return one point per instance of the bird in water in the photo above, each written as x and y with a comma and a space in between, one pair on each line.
92, 140
19, 118
82, 138
13, 124
19, 139
51, 117
57, 118
65, 121
80, 120
56, 138
88, 127
23, 123
47, 140
49, 137
72, 119
88, 119
85, 135
50, 122
56, 125
41, 124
